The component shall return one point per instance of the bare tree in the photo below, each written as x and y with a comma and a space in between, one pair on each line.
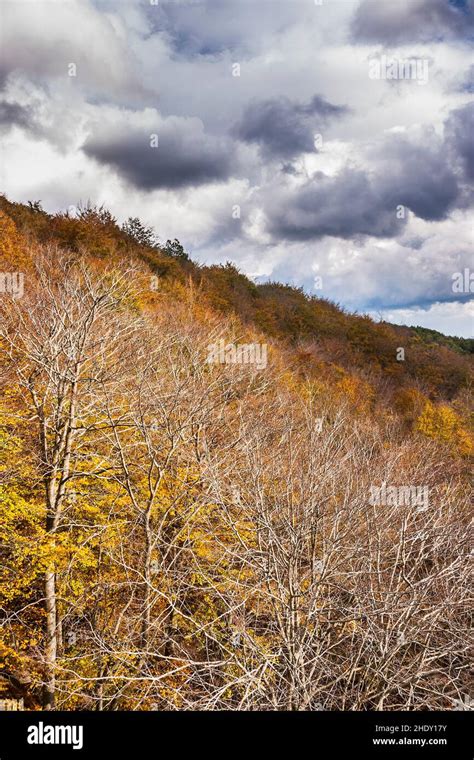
58, 341
226, 550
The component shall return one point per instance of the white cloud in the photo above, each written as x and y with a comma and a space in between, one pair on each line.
449, 318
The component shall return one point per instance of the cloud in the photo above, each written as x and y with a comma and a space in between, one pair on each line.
283, 128
14, 114
209, 28
151, 152
367, 201
369, 273
341, 206
459, 131
42, 40
465, 82
450, 318
406, 21
417, 175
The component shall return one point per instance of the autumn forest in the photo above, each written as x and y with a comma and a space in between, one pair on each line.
180, 533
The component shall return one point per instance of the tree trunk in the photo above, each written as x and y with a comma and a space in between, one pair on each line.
51, 641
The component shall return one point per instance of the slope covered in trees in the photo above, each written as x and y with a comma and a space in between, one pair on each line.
180, 533
318, 330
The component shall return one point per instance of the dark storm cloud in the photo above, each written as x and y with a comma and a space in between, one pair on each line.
14, 114
398, 23
282, 128
418, 176
356, 202
459, 132
185, 155
343, 206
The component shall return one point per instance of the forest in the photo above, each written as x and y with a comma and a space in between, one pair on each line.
179, 533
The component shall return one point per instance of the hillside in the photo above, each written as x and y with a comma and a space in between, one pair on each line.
463, 345
319, 332
190, 524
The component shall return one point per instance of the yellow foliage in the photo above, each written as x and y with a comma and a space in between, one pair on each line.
13, 251
358, 392
441, 423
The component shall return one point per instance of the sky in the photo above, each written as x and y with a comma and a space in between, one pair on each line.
328, 144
